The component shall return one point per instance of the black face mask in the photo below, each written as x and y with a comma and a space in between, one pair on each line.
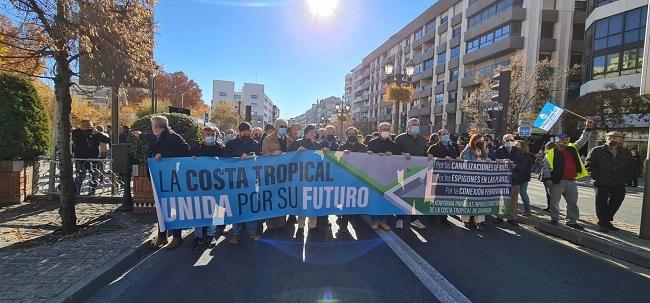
479, 145
352, 139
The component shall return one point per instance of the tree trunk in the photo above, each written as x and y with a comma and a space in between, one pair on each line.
62, 85
395, 117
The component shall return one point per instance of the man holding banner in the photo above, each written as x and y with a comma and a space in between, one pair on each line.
243, 147
411, 143
275, 144
562, 167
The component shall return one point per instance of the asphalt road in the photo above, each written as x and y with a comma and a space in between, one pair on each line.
439, 264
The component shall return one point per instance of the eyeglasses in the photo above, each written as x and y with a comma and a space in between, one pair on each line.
510, 140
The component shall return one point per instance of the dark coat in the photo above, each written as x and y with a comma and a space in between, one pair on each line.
239, 146
170, 144
519, 172
528, 168
332, 145
607, 170
379, 145
414, 145
307, 144
203, 150
85, 143
355, 148
441, 150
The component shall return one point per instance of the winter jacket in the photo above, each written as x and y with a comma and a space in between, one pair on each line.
85, 143
514, 155
271, 144
607, 170
170, 144
379, 145
355, 148
242, 145
441, 150
414, 145
204, 150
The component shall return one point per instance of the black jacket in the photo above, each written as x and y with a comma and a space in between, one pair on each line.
519, 172
379, 145
356, 147
528, 168
170, 144
85, 143
239, 146
203, 150
607, 170
332, 145
307, 144
414, 145
441, 150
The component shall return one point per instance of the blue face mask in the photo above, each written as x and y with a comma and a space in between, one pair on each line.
282, 131
209, 140
509, 144
445, 138
229, 137
415, 130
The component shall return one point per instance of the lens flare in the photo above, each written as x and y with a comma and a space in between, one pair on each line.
322, 8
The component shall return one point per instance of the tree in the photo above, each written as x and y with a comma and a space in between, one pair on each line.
63, 31
14, 58
529, 90
82, 110
224, 117
24, 126
178, 89
613, 107
400, 96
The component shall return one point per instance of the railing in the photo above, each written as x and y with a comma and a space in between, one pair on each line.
92, 177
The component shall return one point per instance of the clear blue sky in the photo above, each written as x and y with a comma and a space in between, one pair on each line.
300, 58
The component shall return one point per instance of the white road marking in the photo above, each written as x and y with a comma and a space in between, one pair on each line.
206, 256
434, 281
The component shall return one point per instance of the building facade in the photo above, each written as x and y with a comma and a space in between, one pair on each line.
614, 45
453, 42
321, 113
263, 110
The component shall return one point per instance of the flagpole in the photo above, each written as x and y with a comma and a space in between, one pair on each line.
568, 111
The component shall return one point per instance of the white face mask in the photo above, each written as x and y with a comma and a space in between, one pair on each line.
384, 135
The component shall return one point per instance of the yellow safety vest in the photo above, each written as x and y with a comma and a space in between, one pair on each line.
551, 154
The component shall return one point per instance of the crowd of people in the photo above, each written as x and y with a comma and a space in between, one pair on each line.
610, 165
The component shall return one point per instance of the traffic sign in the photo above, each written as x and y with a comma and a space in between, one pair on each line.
525, 131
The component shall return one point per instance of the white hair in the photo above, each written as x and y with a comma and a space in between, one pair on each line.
160, 121
281, 121
382, 124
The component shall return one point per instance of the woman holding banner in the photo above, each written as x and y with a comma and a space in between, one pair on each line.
476, 150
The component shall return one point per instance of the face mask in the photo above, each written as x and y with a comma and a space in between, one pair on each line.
444, 138
209, 140
257, 137
479, 145
352, 139
282, 131
384, 135
612, 143
415, 130
330, 137
229, 137
509, 144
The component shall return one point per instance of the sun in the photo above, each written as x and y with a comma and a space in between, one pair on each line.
322, 8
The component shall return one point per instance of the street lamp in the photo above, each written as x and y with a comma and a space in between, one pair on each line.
342, 112
402, 79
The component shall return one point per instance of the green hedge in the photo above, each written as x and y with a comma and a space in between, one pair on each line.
24, 127
179, 123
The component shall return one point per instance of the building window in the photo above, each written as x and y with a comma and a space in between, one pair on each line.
428, 64
453, 75
632, 61
440, 82
453, 97
440, 99
254, 97
418, 35
442, 57
417, 69
443, 19
635, 25
581, 6
431, 26
223, 94
490, 12
456, 32
489, 38
626, 27
547, 29
454, 52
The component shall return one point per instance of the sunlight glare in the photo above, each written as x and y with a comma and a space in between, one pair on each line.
322, 8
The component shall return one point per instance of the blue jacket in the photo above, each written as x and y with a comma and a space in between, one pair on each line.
239, 146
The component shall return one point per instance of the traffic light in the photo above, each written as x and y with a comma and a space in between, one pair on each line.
248, 113
403, 119
501, 94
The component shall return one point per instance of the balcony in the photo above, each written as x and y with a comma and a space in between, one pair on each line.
426, 55
457, 19
549, 15
497, 49
440, 68
469, 82
426, 38
426, 74
547, 44
443, 27
515, 14
422, 92
439, 89
420, 111
452, 86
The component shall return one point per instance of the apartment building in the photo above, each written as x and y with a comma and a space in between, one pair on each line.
452, 42
263, 110
614, 40
320, 113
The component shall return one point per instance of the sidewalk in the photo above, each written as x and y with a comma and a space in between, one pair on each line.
624, 244
38, 263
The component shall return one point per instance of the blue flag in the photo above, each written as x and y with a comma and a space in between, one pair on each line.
548, 116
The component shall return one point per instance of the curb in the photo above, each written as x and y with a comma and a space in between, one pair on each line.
614, 249
95, 280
